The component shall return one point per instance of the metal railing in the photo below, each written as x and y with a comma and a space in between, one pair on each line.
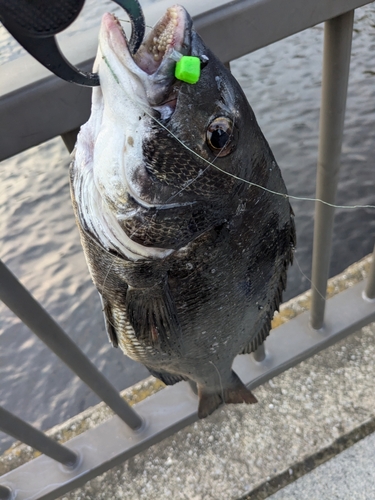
133, 430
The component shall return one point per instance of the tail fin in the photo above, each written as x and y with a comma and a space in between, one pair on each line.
235, 392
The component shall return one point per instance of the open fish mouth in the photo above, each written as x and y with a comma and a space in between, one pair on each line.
168, 34
154, 63
110, 181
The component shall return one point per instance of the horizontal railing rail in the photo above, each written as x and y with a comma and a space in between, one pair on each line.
27, 92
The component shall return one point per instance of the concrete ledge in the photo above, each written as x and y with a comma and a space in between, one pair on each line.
305, 416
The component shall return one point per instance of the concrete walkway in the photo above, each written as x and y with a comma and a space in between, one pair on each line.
304, 417
350, 475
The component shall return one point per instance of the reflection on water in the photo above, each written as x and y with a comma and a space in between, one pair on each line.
39, 240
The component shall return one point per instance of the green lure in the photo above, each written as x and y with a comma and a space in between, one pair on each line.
188, 69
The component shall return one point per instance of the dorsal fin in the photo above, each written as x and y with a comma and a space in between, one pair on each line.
265, 326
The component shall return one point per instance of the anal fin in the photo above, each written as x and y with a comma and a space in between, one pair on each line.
166, 378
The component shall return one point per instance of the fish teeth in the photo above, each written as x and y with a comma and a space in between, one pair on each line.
164, 35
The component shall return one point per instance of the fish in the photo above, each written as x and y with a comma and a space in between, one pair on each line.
183, 214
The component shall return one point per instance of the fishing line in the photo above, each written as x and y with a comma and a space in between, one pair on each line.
284, 195
308, 279
220, 381
106, 276
127, 21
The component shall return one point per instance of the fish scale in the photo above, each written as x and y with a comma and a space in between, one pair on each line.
217, 248
181, 169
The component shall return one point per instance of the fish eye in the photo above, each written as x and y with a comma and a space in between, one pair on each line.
219, 136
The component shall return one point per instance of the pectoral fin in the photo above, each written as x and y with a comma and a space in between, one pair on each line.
109, 322
153, 316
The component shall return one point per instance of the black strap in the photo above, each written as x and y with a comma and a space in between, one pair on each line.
34, 24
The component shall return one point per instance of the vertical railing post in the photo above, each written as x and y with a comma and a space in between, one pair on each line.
370, 288
336, 61
260, 354
5, 493
24, 432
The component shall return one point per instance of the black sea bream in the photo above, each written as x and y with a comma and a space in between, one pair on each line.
188, 256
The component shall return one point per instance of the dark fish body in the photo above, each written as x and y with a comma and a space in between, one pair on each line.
188, 256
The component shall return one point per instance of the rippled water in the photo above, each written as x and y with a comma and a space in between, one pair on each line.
39, 239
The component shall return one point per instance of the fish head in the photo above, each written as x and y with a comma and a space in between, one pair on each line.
160, 152
160, 140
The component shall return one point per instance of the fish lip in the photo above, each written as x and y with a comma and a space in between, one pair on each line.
156, 76
112, 33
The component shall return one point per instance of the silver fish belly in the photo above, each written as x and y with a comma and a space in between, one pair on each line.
188, 254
